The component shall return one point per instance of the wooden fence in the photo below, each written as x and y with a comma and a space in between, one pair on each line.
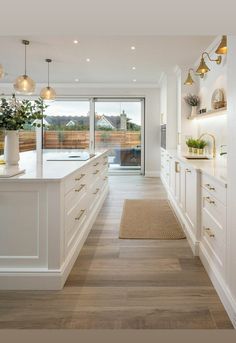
79, 139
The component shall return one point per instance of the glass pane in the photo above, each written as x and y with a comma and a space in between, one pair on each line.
67, 125
118, 127
2, 143
27, 138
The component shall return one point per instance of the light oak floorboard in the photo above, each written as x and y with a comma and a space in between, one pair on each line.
123, 284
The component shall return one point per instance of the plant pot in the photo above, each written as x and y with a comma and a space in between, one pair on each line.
200, 151
11, 147
194, 111
195, 150
190, 150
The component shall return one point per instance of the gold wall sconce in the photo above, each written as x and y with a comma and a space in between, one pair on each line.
189, 80
222, 48
203, 68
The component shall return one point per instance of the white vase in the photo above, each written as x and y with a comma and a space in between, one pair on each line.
194, 111
11, 147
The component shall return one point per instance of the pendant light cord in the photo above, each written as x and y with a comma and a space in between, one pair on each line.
48, 74
25, 59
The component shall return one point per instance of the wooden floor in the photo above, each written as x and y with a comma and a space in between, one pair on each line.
123, 284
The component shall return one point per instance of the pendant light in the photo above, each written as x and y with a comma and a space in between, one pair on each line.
1, 72
222, 48
48, 93
189, 80
203, 68
24, 84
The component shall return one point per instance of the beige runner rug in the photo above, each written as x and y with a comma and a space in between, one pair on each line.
149, 219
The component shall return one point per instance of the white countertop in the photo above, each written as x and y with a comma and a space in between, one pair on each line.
215, 168
37, 167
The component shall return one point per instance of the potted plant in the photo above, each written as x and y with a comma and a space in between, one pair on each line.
14, 114
190, 144
201, 144
193, 101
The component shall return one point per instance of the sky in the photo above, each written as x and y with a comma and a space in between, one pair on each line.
81, 108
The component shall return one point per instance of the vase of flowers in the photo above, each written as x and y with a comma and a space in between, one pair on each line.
14, 114
193, 101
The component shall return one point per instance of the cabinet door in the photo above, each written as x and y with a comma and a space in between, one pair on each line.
191, 197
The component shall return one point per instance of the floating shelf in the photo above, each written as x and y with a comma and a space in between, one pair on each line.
210, 113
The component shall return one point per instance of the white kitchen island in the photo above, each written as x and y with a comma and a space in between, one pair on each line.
46, 214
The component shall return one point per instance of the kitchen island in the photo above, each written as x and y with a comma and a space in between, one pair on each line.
46, 214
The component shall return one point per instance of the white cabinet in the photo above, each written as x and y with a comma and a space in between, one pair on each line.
213, 228
44, 223
182, 183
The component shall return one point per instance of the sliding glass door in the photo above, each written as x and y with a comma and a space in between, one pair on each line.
67, 125
98, 123
118, 127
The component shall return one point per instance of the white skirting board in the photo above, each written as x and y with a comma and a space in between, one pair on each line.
152, 173
51, 279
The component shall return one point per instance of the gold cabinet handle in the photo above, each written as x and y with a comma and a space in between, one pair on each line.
177, 170
209, 232
96, 172
79, 178
209, 187
105, 178
188, 170
105, 163
80, 188
80, 215
96, 164
209, 200
97, 190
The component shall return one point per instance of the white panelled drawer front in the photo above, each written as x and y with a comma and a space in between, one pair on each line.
213, 214
214, 188
82, 190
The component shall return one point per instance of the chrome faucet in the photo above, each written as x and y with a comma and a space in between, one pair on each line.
213, 140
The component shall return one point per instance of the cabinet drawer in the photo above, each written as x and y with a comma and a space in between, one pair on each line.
75, 179
214, 188
73, 216
214, 208
214, 240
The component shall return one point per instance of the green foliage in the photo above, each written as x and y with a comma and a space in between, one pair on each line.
15, 114
196, 143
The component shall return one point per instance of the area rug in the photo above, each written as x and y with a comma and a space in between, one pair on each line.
149, 219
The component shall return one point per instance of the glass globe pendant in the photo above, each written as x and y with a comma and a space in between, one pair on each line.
48, 93
24, 84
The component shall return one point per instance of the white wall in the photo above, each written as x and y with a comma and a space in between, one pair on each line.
215, 78
152, 113
231, 189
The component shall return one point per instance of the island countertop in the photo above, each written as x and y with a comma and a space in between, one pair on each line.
38, 166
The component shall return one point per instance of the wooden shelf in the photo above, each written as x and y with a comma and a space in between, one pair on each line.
210, 113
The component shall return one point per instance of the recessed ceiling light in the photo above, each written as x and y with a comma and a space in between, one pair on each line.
87, 59
134, 68
133, 47
76, 42
134, 80
76, 80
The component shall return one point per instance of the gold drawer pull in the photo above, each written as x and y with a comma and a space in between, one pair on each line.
96, 172
97, 190
96, 164
105, 178
177, 170
80, 188
105, 163
208, 199
188, 171
209, 187
209, 232
79, 178
80, 215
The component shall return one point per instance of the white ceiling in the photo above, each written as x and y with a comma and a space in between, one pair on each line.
111, 57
